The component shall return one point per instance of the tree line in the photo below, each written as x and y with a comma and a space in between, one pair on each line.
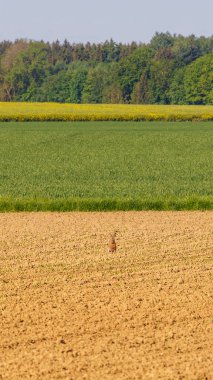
170, 69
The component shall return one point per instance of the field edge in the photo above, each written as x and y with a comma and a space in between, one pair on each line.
84, 118
95, 204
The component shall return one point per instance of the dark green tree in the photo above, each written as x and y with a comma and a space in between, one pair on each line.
161, 40
55, 88
130, 70
176, 91
141, 91
186, 50
29, 70
77, 82
98, 79
198, 81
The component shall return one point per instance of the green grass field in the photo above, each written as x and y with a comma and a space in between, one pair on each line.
106, 165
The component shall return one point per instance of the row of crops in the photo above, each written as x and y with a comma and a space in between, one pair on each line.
65, 166
102, 112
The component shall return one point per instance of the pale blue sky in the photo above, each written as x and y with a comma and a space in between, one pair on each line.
98, 20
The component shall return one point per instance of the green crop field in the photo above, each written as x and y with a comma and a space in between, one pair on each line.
106, 165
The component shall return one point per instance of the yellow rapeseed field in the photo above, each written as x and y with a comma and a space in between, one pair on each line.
76, 112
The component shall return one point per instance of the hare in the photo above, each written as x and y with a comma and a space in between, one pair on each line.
112, 244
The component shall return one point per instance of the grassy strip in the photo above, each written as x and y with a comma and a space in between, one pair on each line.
175, 204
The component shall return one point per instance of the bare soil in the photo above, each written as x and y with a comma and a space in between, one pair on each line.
71, 310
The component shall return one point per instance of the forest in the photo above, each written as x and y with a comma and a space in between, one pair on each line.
170, 69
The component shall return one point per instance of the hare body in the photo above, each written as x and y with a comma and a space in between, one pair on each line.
112, 244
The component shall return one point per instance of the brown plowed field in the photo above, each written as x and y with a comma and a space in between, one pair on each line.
71, 310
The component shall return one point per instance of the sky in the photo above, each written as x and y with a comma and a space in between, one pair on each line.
100, 20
